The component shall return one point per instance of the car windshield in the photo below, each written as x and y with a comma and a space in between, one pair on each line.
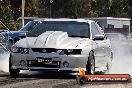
29, 26
73, 29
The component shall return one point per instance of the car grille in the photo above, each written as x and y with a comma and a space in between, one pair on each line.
44, 50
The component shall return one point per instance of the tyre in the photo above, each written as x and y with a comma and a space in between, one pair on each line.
13, 72
10, 63
90, 66
109, 64
81, 80
108, 69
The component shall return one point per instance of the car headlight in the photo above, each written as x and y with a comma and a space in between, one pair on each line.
20, 50
70, 51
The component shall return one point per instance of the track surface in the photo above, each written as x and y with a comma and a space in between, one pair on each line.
37, 81
54, 81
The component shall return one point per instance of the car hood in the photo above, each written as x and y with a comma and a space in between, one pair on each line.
53, 39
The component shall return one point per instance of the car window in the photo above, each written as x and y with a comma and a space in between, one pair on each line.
95, 30
74, 29
29, 26
99, 28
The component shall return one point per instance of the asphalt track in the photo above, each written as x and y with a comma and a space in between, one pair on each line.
38, 81
53, 81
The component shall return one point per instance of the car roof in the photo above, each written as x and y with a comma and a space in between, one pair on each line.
65, 19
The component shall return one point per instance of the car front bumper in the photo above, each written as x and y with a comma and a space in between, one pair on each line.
28, 62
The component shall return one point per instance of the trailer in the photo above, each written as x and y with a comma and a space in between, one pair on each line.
123, 31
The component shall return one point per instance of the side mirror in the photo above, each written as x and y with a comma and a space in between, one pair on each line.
99, 37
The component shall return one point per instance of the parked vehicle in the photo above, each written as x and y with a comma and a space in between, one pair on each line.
10, 37
62, 45
123, 31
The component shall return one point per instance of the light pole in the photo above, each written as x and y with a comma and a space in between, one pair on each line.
23, 5
51, 1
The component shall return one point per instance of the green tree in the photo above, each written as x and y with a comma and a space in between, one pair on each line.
5, 14
32, 8
66, 8
10, 10
120, 8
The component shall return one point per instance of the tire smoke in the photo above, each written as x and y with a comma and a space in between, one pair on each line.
4, 62
122, 61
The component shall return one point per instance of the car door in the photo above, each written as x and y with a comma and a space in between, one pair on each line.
106, 42
99, 52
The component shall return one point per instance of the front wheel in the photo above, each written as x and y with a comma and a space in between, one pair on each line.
14, 73
90, 66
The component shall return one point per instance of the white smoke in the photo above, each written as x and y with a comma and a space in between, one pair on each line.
122, 61
4, 62
122, 65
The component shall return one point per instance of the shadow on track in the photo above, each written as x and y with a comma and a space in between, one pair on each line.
48, 75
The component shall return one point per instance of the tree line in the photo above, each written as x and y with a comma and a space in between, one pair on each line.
10, 10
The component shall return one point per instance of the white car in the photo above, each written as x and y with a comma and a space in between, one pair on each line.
62, 45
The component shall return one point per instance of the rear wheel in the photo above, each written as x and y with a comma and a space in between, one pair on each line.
109, 64
108, 69
90, 66
81, 80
